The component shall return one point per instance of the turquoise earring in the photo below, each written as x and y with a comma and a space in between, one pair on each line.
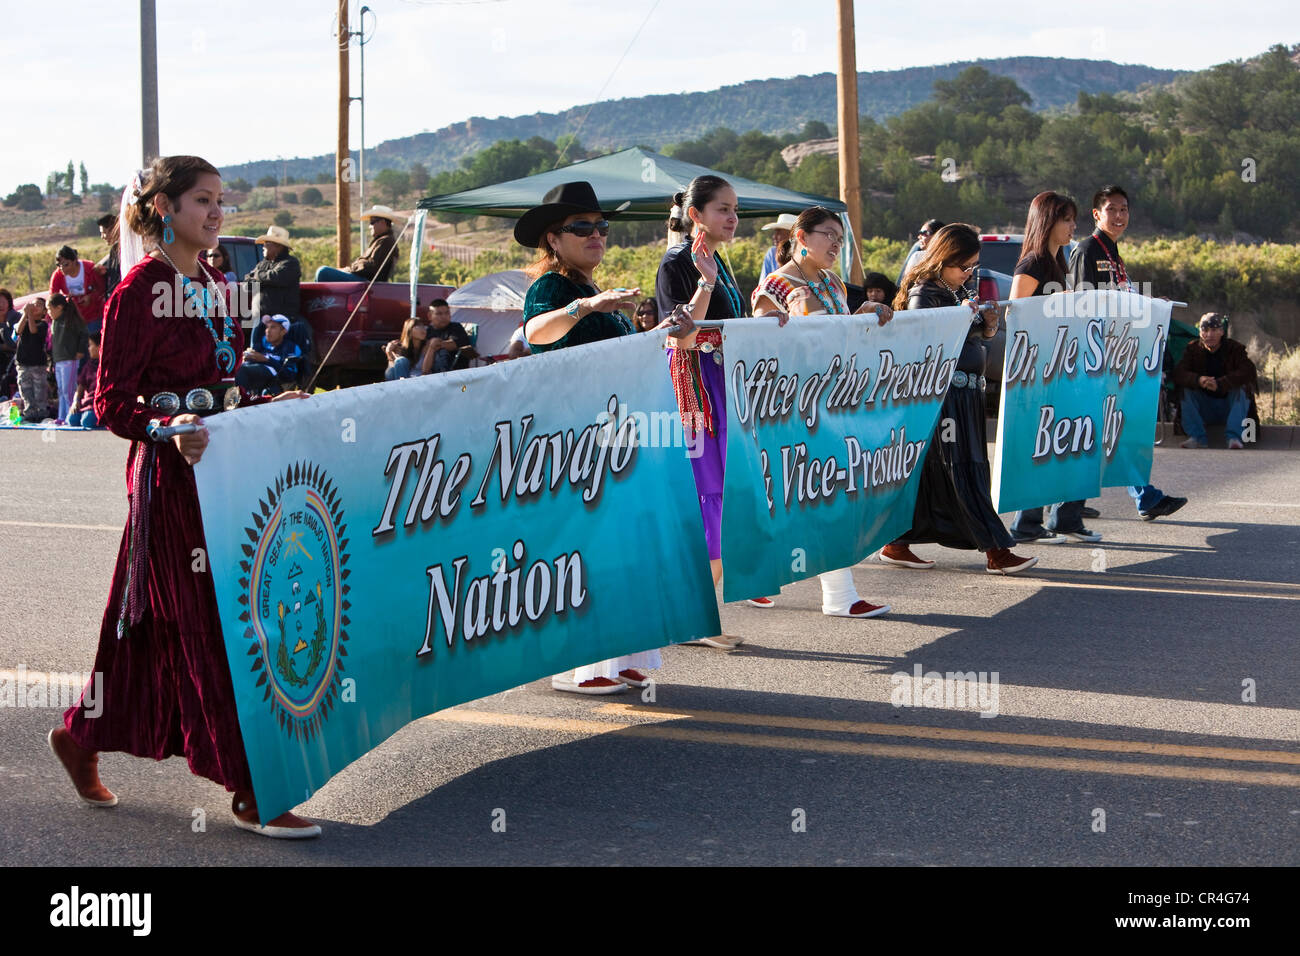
803, 252
168, 235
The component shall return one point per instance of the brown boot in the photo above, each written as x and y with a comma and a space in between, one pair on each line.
83, 767
1002, 561
286, 826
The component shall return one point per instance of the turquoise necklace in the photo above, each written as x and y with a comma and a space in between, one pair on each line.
205, 303
729, 286
833, 307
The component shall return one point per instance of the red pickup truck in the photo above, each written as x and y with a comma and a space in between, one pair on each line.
359, 356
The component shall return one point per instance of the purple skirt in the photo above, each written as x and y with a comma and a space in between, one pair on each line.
711, 464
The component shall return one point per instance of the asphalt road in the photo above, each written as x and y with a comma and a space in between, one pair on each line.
1119, 702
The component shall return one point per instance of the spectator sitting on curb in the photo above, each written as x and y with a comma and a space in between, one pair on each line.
273, 368
1219, 382
82, 413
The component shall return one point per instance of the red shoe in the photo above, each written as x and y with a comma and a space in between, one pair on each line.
861, 609
761, 602
82, 766
286, 826
597, 685
634, 678
1002, 561
902, 555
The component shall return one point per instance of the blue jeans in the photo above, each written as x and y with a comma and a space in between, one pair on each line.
1063, 517
1146, 497
1200, 408
330, 274
65, 375
84, 419
402, 367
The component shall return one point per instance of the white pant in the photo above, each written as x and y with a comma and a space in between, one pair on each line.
838, 591
643, 661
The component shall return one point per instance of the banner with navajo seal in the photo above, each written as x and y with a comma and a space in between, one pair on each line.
384, 552
1080, 384
828, 422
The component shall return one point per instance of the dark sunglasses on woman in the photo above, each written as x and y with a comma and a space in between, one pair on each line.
584, 228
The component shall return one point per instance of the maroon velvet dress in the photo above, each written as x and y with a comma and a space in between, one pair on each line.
166, 680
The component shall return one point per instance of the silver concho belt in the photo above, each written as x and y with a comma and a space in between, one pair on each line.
966, 380
200, 401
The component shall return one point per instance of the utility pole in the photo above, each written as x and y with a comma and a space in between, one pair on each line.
343, 158
847, 90
148, 81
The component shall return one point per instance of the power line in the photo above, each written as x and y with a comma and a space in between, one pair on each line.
559, 159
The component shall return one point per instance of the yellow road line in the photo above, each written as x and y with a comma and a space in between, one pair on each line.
657, 731
957, 733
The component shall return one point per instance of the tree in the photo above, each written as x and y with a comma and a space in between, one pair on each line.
70, 181
393, 183
240, 185
88, 226
419, 176
815, 129
85, 179
268, 181
283, 218
977, 91
26, 197
291, 198
311, 196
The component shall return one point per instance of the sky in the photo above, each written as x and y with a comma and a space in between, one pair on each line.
242, 80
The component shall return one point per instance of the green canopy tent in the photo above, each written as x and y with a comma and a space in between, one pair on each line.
644, 180
636, 182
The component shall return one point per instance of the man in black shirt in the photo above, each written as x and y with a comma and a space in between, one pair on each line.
1097, 264
448, 346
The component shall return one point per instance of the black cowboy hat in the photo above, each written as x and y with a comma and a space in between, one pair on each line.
567, 199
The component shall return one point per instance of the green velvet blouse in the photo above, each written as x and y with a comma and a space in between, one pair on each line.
553, 291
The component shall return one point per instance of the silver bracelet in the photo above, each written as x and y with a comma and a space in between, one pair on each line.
706, 286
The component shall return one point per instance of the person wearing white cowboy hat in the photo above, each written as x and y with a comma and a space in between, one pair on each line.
380, 257
780, 231
275, 280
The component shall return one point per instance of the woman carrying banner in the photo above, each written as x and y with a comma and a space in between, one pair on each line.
1041, 271
564, 307
954, 506
167, 689
805, 283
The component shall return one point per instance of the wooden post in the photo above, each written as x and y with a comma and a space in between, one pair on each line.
847, 90
148, 82
343, 158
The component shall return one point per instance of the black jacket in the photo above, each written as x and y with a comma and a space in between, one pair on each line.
278, 282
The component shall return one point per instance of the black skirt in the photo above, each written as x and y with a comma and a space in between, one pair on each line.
954, 504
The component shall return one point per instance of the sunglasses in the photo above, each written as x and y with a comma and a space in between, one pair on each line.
584, 228
922, 235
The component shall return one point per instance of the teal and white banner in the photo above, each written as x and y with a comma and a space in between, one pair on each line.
384, 552
1080, 385
828, 423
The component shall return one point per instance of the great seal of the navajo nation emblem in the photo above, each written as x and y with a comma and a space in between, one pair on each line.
294, 593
